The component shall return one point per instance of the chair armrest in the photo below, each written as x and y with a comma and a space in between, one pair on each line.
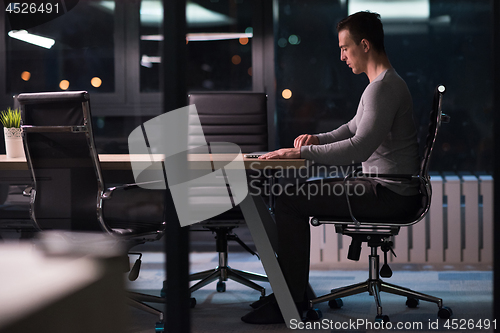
109, 192
27, 191
356, 174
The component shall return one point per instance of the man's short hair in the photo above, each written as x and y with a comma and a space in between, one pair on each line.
364, 25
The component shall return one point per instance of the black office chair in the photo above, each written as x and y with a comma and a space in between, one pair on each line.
69, 192
240, 118
377, 233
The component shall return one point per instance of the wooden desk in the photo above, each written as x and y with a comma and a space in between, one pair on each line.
256, 213
108, 162
122, 161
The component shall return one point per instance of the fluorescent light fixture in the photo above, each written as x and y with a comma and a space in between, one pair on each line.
25, 36
151, 12
148, 61
396, 10
217, 36
156, 38
204, 36
196, 15
107, 6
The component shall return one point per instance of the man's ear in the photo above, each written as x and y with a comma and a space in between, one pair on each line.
366, 45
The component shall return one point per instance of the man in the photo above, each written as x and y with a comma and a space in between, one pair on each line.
381, 136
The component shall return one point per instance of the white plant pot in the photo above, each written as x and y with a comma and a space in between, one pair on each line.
13, 142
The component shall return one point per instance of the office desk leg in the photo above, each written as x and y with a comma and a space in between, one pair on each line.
261, 225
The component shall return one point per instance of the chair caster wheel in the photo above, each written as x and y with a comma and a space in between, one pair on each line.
192, 302
221, 286
314, 314
412, 302
160, 326
382, 318
445, 312
335, 303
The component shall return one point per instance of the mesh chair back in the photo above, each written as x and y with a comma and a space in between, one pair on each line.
434, 124
236, 117
60, 150
432, 130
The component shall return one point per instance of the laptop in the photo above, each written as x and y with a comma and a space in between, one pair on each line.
255, 154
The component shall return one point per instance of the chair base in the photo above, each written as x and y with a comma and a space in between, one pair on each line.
137, 301
374, 285
223, 273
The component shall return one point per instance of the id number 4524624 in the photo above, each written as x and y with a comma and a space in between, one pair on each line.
32, 8
470, 324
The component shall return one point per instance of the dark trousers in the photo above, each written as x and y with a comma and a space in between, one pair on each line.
326, 197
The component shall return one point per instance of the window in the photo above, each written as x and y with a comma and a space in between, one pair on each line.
218, 43
81, 57
437, 42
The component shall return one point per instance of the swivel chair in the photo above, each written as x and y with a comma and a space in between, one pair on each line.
69, 192
378, 233
240, 118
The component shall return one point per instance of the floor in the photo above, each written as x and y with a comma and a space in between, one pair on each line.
466, 289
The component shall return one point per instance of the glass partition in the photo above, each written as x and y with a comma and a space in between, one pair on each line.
428, 43
218, 43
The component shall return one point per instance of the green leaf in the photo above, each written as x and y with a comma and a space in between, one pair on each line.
11, 118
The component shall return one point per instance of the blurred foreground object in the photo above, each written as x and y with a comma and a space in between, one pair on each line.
66, 282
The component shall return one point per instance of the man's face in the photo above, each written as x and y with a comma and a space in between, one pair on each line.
354, 55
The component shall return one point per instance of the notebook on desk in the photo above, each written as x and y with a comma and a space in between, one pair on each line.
256, 154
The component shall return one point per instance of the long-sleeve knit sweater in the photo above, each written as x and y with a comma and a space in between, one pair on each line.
381, 136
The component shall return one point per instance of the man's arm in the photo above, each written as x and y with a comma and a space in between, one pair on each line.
341, 133
305, 140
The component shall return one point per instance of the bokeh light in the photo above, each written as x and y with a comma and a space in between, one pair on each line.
64, 84
236, 59
96, 82
26, 76
286, 93
294, 39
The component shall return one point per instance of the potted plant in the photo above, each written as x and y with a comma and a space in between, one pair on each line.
11, 121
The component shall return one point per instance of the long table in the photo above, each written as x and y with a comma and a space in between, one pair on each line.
259, 221
122, 161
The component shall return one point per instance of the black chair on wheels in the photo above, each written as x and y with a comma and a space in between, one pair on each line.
240, 118
378, 233
69, 192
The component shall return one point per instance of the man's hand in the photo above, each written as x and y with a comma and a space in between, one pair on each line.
305, 140
290, 153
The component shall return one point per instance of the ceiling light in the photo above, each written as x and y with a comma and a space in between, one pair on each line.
393, 10
25, 36
204, 36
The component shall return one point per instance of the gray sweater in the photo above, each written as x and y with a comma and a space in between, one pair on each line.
382, 135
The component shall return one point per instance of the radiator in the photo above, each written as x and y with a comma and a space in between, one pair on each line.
457, 229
